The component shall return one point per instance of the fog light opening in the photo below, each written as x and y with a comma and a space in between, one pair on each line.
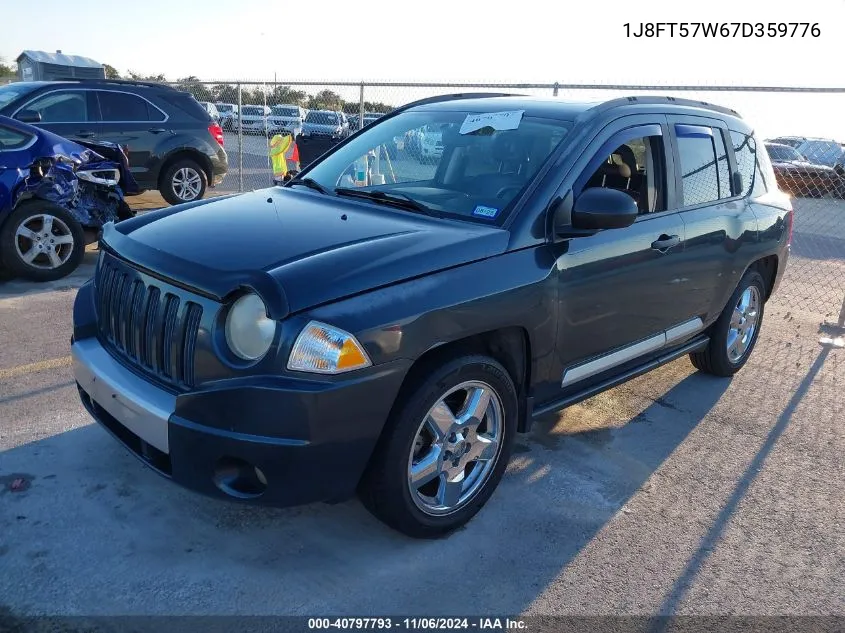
238, 478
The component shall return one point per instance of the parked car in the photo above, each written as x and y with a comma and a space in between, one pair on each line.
212, 110
228, 114
254, 119
801, 177
55, 196
325, 123
369, 117
819, 151
286, 119
174, 145
393, 337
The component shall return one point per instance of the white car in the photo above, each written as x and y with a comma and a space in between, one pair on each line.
254, 118
228, 114
286, 118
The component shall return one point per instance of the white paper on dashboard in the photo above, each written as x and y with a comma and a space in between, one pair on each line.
496, 120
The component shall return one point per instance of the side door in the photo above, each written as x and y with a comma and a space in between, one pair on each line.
71, 113
618, 289
720, 225
129, 119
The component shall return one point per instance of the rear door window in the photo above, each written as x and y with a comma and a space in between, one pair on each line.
702, 178
125, 107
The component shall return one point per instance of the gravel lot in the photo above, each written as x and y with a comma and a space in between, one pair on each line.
674, 493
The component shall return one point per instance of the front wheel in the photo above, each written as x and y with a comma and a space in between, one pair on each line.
183, 181
735, 332
444, 450
42, 241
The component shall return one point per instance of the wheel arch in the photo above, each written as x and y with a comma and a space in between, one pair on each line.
185, 153
510, 346
768, 268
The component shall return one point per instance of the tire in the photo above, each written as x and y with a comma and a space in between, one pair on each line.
716, 359
193, 178
39, 225
409, 436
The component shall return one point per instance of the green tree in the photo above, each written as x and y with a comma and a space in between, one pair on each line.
325, 100
139, 77
111, 72
7, 71
192, 85
225, 93
287, 95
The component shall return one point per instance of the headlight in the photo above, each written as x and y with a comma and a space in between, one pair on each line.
324, 349
249, 332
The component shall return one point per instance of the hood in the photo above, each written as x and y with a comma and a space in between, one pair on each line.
296, 248
798, 164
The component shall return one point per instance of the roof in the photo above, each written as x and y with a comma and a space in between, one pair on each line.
557, 108
60, 58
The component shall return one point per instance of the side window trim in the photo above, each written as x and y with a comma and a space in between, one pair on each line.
95, 98
32, 140
700, 126
620, 137
150, 105
88, 104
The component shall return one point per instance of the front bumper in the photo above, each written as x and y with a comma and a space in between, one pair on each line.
272, 440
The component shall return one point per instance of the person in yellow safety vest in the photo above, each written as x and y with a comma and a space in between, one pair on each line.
284, 156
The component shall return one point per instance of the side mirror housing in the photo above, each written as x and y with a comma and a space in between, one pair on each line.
598, 208
29, 116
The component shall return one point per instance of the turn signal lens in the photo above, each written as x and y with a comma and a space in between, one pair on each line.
323, 349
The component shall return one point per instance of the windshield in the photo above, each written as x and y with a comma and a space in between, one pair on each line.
321, 118
285, 111
443, 162
12, 91
254, 110
782, 152
822, 152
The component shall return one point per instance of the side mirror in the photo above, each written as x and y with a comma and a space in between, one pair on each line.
290, 175
29, 116
598, 208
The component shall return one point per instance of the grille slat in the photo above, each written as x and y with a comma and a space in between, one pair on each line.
146, 325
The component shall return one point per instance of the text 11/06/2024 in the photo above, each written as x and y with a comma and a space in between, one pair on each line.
722, 29
418, 623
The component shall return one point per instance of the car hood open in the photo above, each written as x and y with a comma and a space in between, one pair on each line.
297, 248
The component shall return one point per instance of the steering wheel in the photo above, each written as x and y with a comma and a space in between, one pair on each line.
501, 192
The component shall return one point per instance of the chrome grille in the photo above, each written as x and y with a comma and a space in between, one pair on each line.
146, 325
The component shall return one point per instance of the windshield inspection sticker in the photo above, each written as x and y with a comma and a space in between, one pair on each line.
485, 212
496, 120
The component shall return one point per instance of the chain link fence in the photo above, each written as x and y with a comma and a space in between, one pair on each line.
801, 128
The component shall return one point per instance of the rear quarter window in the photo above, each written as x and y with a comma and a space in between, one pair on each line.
745, 150
185, 104
13, 139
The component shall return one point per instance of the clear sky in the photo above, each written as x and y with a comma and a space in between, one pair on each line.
455, 40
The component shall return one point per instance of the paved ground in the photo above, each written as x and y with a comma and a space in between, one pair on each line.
673, 493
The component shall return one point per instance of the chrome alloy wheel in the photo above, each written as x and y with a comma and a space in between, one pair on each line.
744, 321
187, 184
44, 241
456, 448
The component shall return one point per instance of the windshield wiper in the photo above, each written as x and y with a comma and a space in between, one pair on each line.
394, 197
308, 182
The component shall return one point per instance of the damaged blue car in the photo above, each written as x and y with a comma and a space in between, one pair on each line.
55, 197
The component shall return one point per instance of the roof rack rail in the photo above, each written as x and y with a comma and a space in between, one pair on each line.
453, 97
121, 82
650, 100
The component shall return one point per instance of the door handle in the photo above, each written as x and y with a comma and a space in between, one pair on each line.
157, 130
84, 134
665, 242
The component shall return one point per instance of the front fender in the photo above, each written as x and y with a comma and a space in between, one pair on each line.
405, 320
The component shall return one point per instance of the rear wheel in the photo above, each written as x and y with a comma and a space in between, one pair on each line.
183, 181
445, 449
735, 332
42, 241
